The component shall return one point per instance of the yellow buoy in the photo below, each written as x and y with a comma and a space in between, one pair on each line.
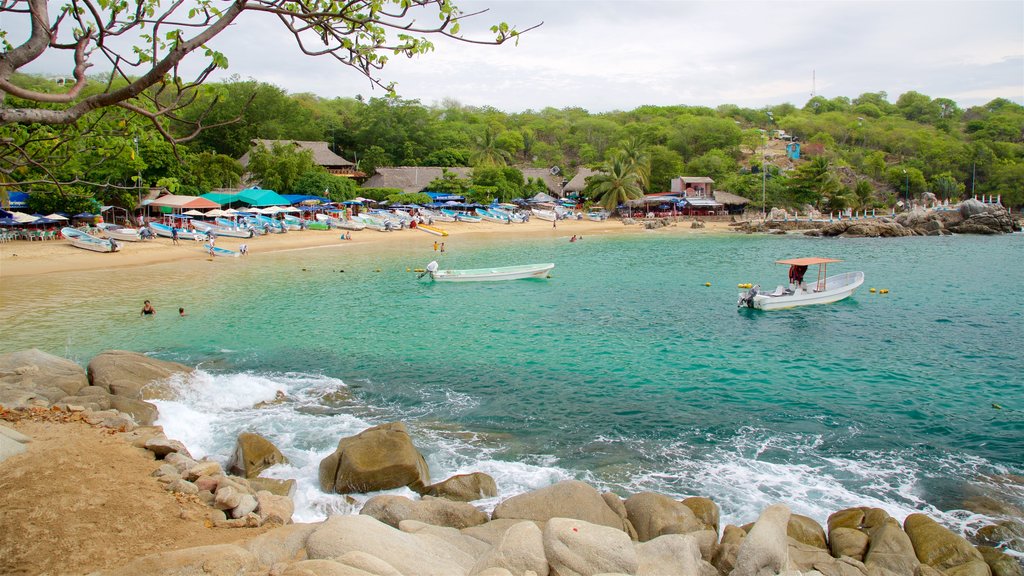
883, 291
872, 290
419, 270
707, 283
408, 269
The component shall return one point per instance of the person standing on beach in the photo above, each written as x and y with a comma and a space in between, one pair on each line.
442, 247
435, 245
174, 235
147, 309
243, 249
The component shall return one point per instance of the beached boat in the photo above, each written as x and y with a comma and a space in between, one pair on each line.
490, 274
548, 215
460, 216
436, 216
224, 231
825, 290
218, 251
597, 215
120, 232
183, 234
373, 223
80, 239
431, 230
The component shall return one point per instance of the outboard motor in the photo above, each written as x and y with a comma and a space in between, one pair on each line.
748, 298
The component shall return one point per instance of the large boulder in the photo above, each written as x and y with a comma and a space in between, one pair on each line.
850, 542
1000, 563
254, 454
672, 554
705, 510
33, 370
281, 544
126, 373
891, 551
519, 549
392, 510
577, 548
566, 499
653, 515
806, 530
464, 487
216, 559
765, 550
728, 549
936, 546
378, 458
12, 443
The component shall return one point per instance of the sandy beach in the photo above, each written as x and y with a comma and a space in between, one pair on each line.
22, 258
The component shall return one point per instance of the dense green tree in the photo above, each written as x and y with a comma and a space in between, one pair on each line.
815, 183
665, 165
373, 157
281, 167
946, 187
207, 170
322, 183
715, 164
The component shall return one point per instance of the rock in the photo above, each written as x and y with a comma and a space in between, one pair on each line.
618, 506
221, 559
254, 454
321, 568
126, 373
273, 508
989, 223
705, 510
182, 486
379, 458
227, 498
12, 442
848, 542
574, 547
246, 504
725, 559
447, 537
144, 413
28, 370
162, 446
1005, 533
765, 550
1001, 563
672, 554
890, 550
875, 518
806, 530
936, 546
407, 553
492, 532
653, 515
566, 499
707, 542
807, 557
391, 510
14, 398
972, 207
282, 544
109, 419
464, 487
367, 563
181, 462
848, 518
204, 468
274, 486
519, 549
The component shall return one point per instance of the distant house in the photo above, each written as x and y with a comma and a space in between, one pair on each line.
322, 156
693, 186
733, 204
412, 179
579, 181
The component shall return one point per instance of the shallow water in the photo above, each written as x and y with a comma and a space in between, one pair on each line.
623, 369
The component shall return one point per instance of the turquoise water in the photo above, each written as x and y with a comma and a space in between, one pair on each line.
623, 369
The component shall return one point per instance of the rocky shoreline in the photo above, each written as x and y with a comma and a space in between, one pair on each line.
968, 217
566, 529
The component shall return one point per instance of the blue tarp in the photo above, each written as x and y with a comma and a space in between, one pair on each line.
299, 198
444, 197
18, 199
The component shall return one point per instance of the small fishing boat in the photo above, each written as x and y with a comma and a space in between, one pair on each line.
492, 216
438, 216
826, 290
489, 274
80, 239
373, 223
183, 234
218, 251
431, 230
548, 215
120, 232
597, 215
224, 231
460, 216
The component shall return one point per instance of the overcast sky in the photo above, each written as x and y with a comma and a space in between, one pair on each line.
616, 55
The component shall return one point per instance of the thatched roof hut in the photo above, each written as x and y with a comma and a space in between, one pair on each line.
322, 155
579, 181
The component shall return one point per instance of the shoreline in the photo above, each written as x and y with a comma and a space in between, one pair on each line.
31, 259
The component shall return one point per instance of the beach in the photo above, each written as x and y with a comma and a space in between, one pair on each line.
22, 258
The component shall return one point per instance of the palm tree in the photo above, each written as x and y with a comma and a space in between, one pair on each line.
617, 183
488, 151
635, 152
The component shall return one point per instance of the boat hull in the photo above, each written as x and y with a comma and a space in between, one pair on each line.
220, 252
80, 239
121, 234
493, 274
836, 288
548, 215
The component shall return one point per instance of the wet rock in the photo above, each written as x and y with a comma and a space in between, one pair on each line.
392, 510
464, 487
379, 458
653, 515
125, 373
254, 454
567, 499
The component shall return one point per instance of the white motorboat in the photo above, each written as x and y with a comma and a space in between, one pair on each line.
489, 274
825, 290
223, 230
80, 239
120, 232
548, 215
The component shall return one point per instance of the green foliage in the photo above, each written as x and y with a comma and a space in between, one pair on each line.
615, 184
379, 194
505, 183
70, 200
403, 198
280, 167
665, 165
715, 164
321, 183
814, 183
945, 186
450, 183
208, 170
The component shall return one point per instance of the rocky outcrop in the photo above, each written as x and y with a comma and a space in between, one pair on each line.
577, 548
464, 487
939, 548
378, 458
519, 549
806, 531
254, 454
653, 515
880, 228
33, 374
765, 550
706, 511
392, 510
125, 373
567, 499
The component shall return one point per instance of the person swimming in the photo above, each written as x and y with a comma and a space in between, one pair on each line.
147, 309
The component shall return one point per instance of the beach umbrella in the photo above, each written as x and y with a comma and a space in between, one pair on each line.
7, 221
288, 209
56, 216
194, 212
22, 218
230, 212
215, 213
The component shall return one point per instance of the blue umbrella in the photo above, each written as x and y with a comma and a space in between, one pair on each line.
84, 215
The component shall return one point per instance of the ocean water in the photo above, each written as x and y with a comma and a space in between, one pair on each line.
623, 370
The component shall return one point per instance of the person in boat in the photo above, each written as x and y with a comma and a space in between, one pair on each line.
147, 309
796, 276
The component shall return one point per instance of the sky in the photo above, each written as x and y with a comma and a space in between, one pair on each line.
604, 55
